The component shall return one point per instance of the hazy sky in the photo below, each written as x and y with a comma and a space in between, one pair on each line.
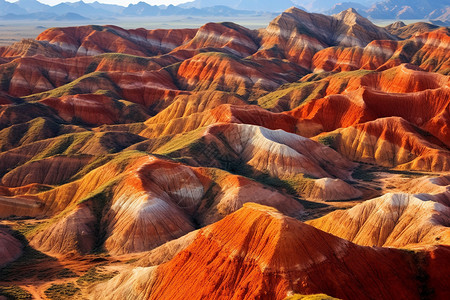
123, 3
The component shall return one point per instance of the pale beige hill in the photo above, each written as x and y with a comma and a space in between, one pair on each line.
436, 189
393, 220
166, 252
329, 189
427, 184
74, 233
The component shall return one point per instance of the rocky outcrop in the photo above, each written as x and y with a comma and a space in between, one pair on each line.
91, 40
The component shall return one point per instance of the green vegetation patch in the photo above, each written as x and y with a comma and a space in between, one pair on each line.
311, 87
181, 141
74, 87
328, 139
66, 144
93, 275
296, 185
25, 133
364, 174
14, 292
61, 291
125, 58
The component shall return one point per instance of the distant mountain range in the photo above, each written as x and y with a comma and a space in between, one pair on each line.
436, 10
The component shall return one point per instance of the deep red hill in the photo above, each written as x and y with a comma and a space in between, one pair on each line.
257, 252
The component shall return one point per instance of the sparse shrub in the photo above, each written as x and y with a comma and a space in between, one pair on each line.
66, 273
61, 291
14, 292
327, 140
363, 174
92, 275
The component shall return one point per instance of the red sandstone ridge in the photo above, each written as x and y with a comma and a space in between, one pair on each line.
91, 40
298, 35
95, 109
265, 254
428, 50
390, 142
229, 37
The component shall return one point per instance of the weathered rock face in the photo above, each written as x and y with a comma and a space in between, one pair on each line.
394, 220
229, 37
95, 109
266, 254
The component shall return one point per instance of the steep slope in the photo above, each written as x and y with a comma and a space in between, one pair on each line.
33, 131
389, 142
230, 37
228, 73
80, 146
265, 254
393, 220
10, 247
298, 35
404, 31
164, 125
96, 109
402, 92
428, 50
